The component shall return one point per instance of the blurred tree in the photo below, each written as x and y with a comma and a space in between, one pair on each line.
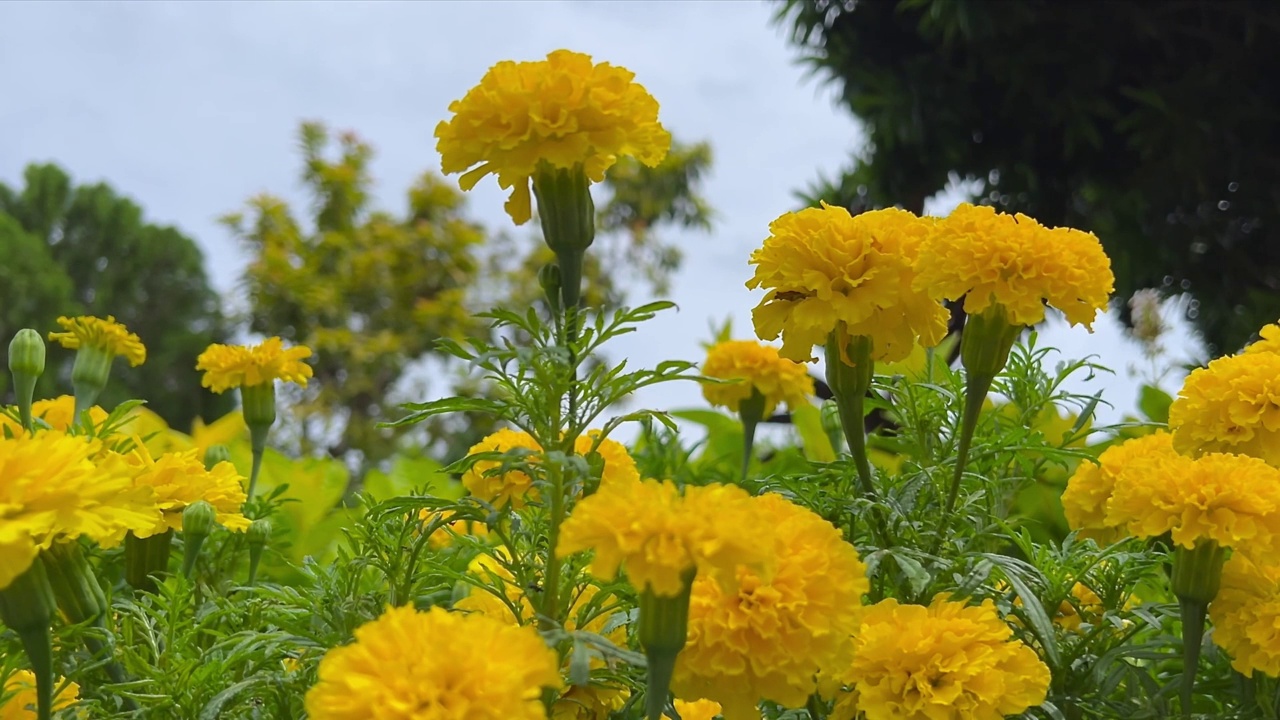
1150, 124
371, 291
84, 249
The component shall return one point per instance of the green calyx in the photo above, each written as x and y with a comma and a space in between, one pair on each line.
663, 628
568, 216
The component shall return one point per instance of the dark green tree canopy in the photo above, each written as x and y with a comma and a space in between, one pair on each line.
1155, 125
84, 249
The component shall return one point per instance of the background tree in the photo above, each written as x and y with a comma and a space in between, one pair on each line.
1151, 124
84, 249
371, 291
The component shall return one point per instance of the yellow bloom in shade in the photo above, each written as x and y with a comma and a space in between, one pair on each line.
20, 693
947, 661
657, 534
445, 534
56, 488
232, 366
179, 480
515, 486
1268, 340
58, 413
1233, 500
769, 638
757, 368
826, 270
107, 335
990, 258
565, 110
696, 710
1091, 487
1233, 405
435, 665
1246, 616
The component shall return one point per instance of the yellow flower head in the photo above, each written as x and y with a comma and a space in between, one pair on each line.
565, 110
445, 534
1246, 616
827, 271
1268, 340
756, 367
619, 466
54, 488
1233, 500
20, 691
769, 638
947, 661
58, 413
1091, 487
659, 534
696, 710
990, 258
516, 487
107, 335
465, 665
179, 479
1233, 405
233, 366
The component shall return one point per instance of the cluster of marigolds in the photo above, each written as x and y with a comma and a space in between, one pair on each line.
738, 598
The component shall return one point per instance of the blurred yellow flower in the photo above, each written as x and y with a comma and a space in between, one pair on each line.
1268, 340
659, 534
565, 110
990, 258
696, 710
107, 335
20, 693
58, 413
445, 534
55, 488
232, 366
1233, 405
1090, 489
757, 368
828, 271
947, 661
179, 479
769, 638
467, 665
1246, 616
516, 487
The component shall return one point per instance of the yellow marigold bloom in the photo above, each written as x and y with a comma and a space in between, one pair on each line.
1091, 487
1246, 616
107, 335
232, 366
564, 110
179, 480
480, 669
516, 487
696, 710
757, 368
1233, 500
825, 269
20, 693
768, 638
1269, 340
58, 413
1233, 405
445, 534
511, 606
990, 258
947, 661
619, 466
659, 534
54, 488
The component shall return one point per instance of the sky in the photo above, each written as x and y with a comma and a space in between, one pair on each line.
191, 108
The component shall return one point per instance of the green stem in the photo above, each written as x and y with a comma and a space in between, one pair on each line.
38, 642
814, 706
662, 629
551, 594
24, 388
258, 445
975, 395
144, 558
751, 411
27, 606
850, 384
1193, 614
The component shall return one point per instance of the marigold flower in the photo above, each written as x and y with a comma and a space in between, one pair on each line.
179, 480
990, 258
444, 534
757, 368
58, 413
947, 661
52, 490
1091, 487
20, 693
659, 534
462, 665
516, 487
232, 366
825, 269
1233, 405
1246, 616
107, 335
696, 710
1268, 340
565, 110
769, 638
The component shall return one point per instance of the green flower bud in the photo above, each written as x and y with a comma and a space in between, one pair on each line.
549, 279
75, 585
89, 375
216, 454
197, 523
259, 403
26, 363
1197, 573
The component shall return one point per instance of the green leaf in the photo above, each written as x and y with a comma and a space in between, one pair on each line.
807, 420
1154, 403
213, 709
410, 475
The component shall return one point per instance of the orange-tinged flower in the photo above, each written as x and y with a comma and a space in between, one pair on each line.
232, 366
828, 271
757, 368
107, 335
566, 111
989, 258
1233, 405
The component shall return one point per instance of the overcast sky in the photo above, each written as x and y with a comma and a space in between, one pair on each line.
190, 108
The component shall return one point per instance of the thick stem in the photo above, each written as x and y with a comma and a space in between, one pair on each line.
849, 373
144, 558
24, 387
751, 411
258, 446
663, 628
27, 606
1192, 637
975, 395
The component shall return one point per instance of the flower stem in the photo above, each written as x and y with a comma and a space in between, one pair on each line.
850, 381
975, 395
751, 411
1192, 637
258, 445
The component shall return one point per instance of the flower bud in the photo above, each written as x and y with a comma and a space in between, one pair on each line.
89, 375
75, 586
549, 279
216, 454
259, 403
197, 523
26, 363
